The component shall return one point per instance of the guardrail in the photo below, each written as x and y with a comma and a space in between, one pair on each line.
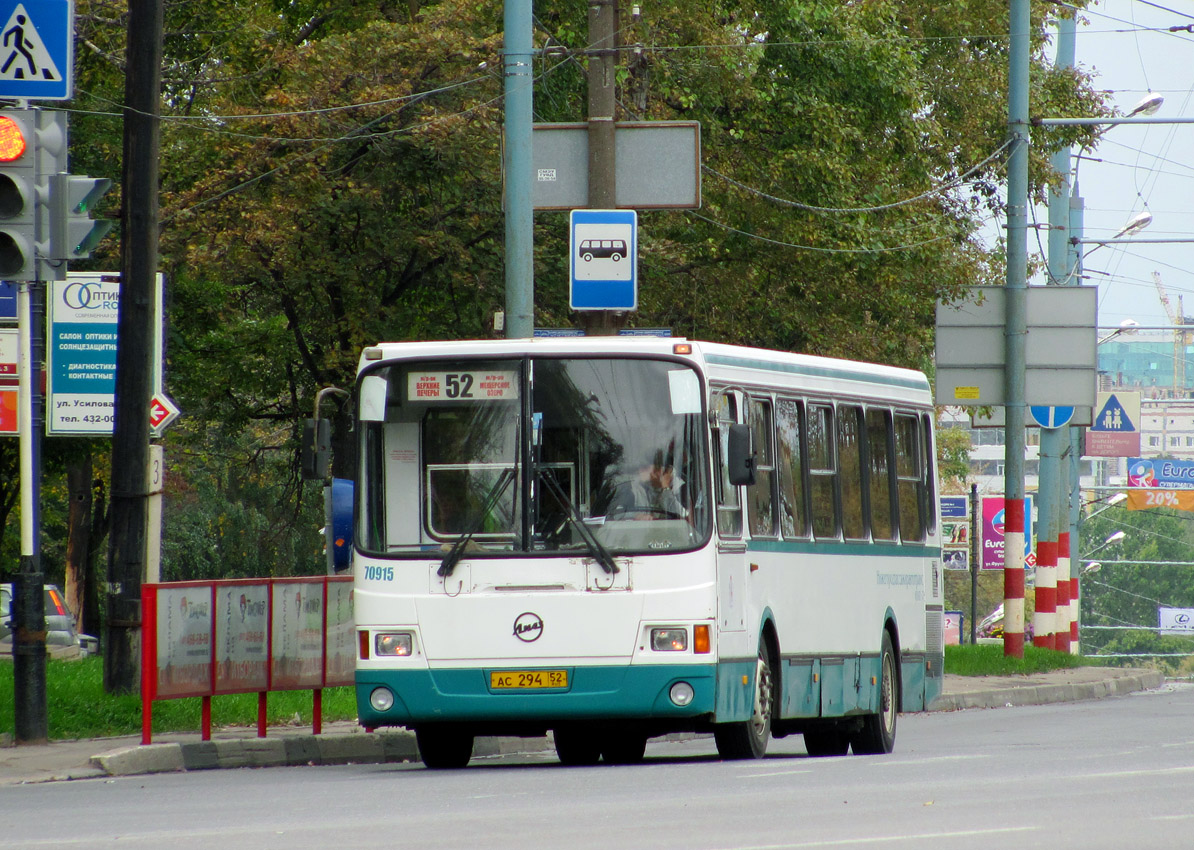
208, 638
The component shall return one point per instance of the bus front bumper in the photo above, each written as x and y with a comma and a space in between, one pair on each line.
643, 692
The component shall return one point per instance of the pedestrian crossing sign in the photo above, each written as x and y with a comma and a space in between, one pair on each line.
36, 49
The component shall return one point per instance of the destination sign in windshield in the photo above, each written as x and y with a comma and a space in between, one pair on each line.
478, 385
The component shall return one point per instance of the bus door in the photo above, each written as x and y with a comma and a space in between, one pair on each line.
731, 546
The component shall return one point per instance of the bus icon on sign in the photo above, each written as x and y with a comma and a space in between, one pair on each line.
602, 249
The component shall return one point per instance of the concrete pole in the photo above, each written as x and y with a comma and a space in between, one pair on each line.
518, 85
1016, 328
603, 191
1052, 598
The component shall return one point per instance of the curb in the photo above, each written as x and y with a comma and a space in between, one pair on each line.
1043, 694
292, 751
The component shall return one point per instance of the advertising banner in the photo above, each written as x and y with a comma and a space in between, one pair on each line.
242, 637
992, 539
1142, 500
341, 632
183, 648
9, 355
1161, 473
1176, 621
297, 627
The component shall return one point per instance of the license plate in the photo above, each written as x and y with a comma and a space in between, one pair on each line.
507, 679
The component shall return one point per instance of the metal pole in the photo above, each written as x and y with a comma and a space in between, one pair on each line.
31, 720
1017, 297
520, 219
973, 564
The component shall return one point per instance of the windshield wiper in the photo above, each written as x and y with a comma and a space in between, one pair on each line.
600, 554
457, 551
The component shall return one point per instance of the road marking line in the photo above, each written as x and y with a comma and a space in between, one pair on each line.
886, 839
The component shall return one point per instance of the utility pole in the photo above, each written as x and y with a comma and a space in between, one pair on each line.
603, 56
1016, 328
134, 367
1051, 623
518, 86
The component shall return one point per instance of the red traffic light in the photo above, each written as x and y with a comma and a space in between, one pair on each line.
12, 140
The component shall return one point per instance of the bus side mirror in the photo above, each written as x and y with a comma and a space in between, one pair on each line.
741, 455
316, 451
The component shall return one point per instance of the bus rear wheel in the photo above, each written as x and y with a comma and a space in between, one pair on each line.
443, 749
826, 741
748, 740
877, 735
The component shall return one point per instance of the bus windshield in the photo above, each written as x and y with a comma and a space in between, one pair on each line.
532, 455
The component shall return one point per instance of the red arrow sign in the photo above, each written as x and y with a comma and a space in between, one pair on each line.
162, 411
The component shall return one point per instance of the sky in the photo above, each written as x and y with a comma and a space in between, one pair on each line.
1139, 169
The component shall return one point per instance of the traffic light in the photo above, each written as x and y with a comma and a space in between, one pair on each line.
73, 233
18, 194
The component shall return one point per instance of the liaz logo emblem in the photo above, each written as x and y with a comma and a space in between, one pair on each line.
528, 627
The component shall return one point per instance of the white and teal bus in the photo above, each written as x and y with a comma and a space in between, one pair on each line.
614, 538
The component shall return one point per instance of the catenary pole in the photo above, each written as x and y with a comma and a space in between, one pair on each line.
1051, 619
1019, 23
518, 85
134, 354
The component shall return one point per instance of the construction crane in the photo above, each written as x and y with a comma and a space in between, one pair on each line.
1180, 338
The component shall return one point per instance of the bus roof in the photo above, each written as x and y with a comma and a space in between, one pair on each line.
730, 363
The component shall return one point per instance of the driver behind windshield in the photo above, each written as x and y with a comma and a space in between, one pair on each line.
650, 493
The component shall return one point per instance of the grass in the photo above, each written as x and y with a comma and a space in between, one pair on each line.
79, 708
989, 660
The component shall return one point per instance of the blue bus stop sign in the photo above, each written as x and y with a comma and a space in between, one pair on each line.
37, 49
603, 259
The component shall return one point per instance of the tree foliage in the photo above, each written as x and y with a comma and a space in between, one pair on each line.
331, 177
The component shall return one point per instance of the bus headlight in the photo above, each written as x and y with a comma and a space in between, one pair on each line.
393, 643
681, 693
382, 699
669, 640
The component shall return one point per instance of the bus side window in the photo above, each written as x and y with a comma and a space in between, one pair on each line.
822, 469
882, 482
792, 511
762, 493
910, 475
729, 508
930, 474
849, 444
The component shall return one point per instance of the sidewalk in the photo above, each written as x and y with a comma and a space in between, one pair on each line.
345, 743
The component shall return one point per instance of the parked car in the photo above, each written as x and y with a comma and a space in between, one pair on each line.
61, 637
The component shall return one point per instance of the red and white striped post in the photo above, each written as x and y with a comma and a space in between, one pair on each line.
1044, 618
1064, 613
1013, 577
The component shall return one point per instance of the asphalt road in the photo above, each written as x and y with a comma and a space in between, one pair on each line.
1110, 773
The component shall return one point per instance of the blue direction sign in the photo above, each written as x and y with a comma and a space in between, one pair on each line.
603, 259
36, 49
1051, 417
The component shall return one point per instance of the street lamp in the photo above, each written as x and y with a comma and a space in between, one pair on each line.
1111, 502
1114, 538
1125, 327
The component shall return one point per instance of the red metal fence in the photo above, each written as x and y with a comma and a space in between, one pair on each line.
206, 638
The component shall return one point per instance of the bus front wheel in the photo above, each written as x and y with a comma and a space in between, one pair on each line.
577, 746
748, 740
443, 748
